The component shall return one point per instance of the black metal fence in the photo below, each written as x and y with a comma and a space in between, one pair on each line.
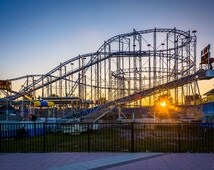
116, 137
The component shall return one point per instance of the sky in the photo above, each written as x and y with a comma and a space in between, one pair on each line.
36, 35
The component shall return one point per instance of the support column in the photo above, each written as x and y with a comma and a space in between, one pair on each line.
110, 97
60, 81
66, 87
194, 60
149, 73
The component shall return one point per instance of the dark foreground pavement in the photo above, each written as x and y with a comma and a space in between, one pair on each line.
106, 160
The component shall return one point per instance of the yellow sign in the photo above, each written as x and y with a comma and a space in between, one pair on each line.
5, 85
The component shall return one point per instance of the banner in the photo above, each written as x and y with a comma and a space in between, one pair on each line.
205, 55
5, 85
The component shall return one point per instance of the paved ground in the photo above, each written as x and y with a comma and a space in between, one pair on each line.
105, 160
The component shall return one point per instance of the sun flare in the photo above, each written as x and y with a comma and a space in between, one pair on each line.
163, 104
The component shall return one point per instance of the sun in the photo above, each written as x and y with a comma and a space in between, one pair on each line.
163, 104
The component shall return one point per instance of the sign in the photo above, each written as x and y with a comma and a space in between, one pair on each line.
205, 55
5, 85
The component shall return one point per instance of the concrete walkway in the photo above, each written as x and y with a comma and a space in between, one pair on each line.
106, 160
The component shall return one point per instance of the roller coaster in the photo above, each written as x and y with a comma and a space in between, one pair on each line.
128, 69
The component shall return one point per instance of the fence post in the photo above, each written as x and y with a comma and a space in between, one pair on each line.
179, 138
0, 138
88, 136
211, 136
44, 136
132, 136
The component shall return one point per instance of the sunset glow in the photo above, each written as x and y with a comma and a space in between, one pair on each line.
163, 104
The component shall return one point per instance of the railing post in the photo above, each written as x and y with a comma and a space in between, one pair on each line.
0, 138
179, 138
44, 136
211, 136
132, 136
88, 136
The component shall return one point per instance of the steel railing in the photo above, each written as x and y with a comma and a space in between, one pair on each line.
116, 137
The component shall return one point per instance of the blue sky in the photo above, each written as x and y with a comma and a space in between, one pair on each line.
36, 35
